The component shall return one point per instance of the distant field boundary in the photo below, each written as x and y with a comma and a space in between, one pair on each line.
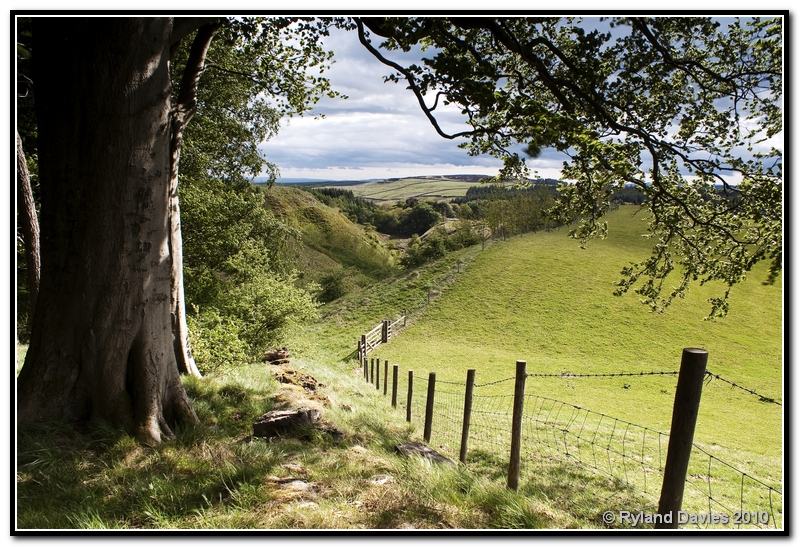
400, 189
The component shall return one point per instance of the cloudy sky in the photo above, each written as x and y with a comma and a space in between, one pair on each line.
378, 132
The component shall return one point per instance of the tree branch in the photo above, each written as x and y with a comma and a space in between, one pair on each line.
187, 94
413, 86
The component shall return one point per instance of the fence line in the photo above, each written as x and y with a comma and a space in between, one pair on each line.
602, 375
710, 375
632, 455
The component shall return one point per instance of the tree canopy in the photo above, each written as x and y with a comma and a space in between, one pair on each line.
685, 109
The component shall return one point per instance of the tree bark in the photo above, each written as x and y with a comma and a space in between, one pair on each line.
181, 113
101, 341
29, 223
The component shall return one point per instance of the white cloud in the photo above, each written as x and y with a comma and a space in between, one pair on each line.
379, 131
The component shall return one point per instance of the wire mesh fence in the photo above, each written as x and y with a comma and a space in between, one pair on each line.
448, 416
716, 486
631, 454
582, 444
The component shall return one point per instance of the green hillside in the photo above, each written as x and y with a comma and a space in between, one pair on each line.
537, 297
543, 299
329, 241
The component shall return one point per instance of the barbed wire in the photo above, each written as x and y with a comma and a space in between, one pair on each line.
600, 375
710, 375
630, 454
635, 455
459, 384
763, 398
495, 382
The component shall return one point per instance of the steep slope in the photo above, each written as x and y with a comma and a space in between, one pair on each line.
329, 241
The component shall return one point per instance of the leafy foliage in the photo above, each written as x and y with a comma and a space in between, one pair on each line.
335, 284
238, 279
404, 219
258, 70
674, 106
215, 340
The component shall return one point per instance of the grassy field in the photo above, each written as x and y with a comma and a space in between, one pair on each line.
543, 299
539, 298
397, 190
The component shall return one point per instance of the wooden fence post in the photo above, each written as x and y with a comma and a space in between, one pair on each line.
429, 407
681, 434
516, 426
364, 345
394, 385
366, 374
371, 378
410, 392
385, 376
378, 374
384, 331
467, 413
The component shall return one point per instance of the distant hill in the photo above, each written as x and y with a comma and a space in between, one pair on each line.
391, 190
462, 178
312, 181
300, 181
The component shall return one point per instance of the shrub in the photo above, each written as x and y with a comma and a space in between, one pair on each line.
334, 285
215, 340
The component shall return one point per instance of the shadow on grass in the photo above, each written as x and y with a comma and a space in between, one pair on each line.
214, 475
97, 476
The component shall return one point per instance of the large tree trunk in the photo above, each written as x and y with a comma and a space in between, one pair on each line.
29, 224
101, 341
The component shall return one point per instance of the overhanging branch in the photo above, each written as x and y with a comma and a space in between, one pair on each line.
412, 85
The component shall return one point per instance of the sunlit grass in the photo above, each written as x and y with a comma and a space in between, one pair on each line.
543, 299
21, 350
